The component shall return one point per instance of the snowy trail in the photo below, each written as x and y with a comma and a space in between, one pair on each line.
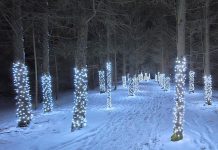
135, 118
141, 122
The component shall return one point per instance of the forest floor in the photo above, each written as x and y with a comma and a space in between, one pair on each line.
141, 122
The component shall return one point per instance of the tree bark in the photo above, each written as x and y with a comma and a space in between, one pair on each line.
81, 44
45, 44
181, 28
124, 65
109, 40
190, 48
180, 72
18, 39
115, 71
36, 69
207, 41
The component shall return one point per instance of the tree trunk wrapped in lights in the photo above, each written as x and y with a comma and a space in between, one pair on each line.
191, 81
46, 77
131, 91
136, 84
22, 89
146, 77
47, 93
80, 84
80, 77
158, 77
155, 78
208, 89
207, 74
20, 71
101, 75
149, 76
180, 103
180, 74
162, 81
167, 84
140, 76
128, 78
109, 80
124, 81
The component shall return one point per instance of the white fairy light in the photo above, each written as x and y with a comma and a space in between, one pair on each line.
80, 84
131, 90
208, 89
101, 75
109, 82
191, 81
23, 98
124, 81
47, 93
179, 110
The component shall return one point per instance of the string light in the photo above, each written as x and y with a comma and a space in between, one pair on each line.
109, 101
23, 98
80, 84
208, 89
191, 81
101, 75
47, 93
179, 110
131, 90
124, 81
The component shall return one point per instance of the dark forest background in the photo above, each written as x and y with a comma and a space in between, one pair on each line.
137, 35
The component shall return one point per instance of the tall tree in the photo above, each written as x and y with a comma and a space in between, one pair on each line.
46, 77
180, 69
80, 77
20, 71
207, 75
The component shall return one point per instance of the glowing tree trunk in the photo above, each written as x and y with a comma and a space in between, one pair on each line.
124, 72
20, 72
80, 78
131, 91
102, 87
158, 77
115, 71
167, 84
124, 81
191, 81
191, 73
180, 69
155, 78
109, 102
136, 83
46, 77
207, 75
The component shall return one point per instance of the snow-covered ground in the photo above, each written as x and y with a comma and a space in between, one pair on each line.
141, 122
